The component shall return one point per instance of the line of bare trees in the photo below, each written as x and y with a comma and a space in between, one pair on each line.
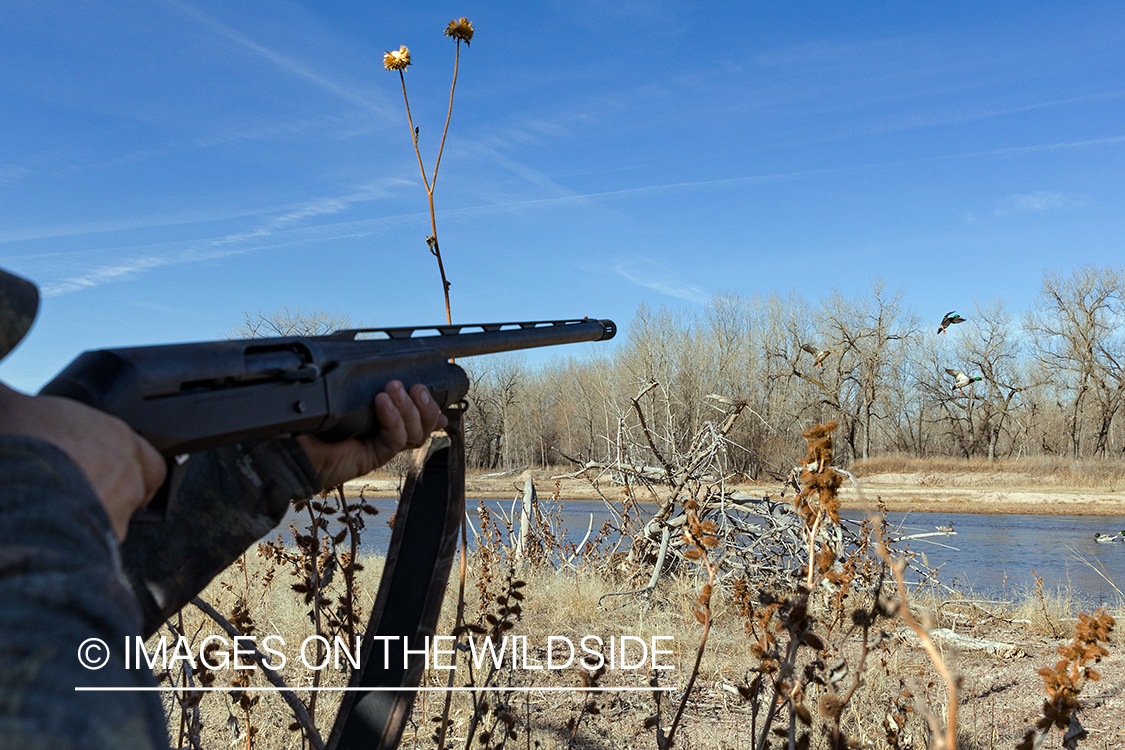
1052, 380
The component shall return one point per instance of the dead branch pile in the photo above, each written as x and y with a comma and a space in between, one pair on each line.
765, 537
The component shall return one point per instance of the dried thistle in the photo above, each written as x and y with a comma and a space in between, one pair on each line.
397, 59
819, 484
494, 626
701, 537
460, 29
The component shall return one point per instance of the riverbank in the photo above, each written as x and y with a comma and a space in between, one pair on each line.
970, 492
1003, 491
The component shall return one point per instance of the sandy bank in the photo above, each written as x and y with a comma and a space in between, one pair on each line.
1004, 492
975, 492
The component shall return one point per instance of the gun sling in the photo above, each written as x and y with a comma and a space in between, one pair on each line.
423, 544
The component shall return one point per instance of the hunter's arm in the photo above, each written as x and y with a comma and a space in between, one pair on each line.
61, 584
230, 498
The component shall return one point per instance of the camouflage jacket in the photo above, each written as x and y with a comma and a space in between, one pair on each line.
64, 582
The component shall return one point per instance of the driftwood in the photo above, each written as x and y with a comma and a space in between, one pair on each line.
949, 639
760, 536
527, 504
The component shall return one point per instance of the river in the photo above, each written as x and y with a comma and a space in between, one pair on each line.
992, 554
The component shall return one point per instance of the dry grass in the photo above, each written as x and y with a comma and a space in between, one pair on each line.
565, 602
773, 657
1049, 470
276, 610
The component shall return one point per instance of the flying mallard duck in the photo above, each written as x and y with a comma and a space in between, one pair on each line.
950, 318
820, 355
961, 379
1107, 538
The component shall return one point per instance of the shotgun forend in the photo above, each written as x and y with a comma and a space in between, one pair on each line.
185, 398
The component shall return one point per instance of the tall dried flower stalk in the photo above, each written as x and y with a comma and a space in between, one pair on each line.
819, 484
460, 30
942, 737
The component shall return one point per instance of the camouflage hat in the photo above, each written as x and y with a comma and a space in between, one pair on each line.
19, 299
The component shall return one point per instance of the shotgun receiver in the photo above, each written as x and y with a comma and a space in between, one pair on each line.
185, 398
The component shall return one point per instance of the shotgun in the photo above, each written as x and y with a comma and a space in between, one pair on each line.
186, 398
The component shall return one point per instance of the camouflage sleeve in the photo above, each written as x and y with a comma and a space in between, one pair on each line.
229, 498
61, 585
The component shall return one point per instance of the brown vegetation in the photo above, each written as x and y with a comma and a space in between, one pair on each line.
785, 627
1039, 485
1050, 471
1000, 696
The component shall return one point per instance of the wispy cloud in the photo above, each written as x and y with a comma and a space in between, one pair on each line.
272, 218
1063, 145
546, 127
136, 261
729, 182
1105, 96
877, 69
661, 280
927, 119
331, 125
1037, 201
286, 227
126, 269
284, 62
319, 207
13, 173
807, 53
127, 223
280, 230
519, 169
120, 224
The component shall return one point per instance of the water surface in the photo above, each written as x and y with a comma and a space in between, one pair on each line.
993, 554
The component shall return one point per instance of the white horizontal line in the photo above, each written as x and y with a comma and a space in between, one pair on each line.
374, 689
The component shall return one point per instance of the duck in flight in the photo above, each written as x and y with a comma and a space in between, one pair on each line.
950, 318
961, 379
820, 355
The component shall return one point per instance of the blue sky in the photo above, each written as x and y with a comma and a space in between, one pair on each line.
167, 165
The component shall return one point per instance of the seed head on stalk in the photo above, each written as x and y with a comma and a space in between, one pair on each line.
460, 30
397, 59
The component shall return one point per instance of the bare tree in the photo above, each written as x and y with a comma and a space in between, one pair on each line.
979, 415
993, 349
495, 389
286, 321
868, 334
1053, 380
1076, 328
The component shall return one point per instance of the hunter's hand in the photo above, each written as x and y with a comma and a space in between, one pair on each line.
405, 421
122, 467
